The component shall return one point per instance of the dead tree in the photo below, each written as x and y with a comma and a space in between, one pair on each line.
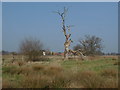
78, 52
66, 30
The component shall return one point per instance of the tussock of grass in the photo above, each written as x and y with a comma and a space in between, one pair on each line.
114, 59
10, 69
55, 68
25, 71
6, 84
91, 80
61, 81
117, 63
109, 73
52, 70
111, 83
36, 81
21, 63
38, 67
43, 59
10, 83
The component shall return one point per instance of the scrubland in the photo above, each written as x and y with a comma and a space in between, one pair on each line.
55, 72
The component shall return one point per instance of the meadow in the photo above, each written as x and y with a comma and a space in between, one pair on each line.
55, 72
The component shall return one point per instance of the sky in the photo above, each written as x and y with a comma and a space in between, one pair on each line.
37, 20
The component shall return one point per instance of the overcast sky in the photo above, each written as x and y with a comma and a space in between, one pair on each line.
37, 20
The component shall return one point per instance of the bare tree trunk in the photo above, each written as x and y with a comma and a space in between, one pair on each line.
67, 36
66, 51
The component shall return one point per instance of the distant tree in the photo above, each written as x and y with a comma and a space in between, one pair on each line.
91, 45
32, 48
78, 46
4, 52
13, 53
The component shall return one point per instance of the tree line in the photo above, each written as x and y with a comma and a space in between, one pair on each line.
90, 45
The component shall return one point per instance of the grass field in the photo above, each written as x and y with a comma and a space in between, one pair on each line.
54, 72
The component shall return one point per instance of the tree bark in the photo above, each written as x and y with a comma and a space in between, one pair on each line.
65, 28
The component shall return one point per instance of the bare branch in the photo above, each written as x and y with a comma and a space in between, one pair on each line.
65, 11
57, 12
69, 26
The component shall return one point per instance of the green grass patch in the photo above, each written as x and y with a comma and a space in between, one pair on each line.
94, 65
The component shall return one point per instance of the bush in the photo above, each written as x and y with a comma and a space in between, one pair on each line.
32, 48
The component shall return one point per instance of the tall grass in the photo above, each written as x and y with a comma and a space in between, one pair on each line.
109, 73
54, 75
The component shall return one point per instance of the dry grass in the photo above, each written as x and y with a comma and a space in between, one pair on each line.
52, 70
54, 75
10, 69
38, 67
63, 79
90, 79
46, 81
117, 63
6, 84
21, 63
109, 73
110, 83
35, 81
55, 68
94, 57
25, 70
51, 76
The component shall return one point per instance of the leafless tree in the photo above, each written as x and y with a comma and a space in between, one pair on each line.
32, 48
91, 45
66, 30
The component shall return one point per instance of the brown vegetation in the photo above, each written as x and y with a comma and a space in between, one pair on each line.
54, 75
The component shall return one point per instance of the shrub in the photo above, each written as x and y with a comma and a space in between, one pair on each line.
31, 47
